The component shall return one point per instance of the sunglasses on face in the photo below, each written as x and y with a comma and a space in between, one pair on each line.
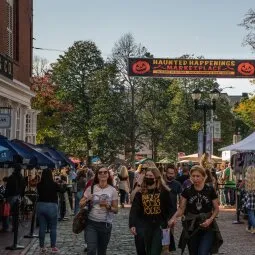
103, 172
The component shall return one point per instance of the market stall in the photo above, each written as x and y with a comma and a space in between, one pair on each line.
195, 158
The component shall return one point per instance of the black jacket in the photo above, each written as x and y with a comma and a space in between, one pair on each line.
191, 228
154, 208
15, 185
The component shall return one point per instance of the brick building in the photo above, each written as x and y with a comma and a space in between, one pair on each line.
16, 39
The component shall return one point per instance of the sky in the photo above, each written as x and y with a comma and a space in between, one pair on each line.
167, 28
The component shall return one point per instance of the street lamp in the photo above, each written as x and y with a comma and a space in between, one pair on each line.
205, 106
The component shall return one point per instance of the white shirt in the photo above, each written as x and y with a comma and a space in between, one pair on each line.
97, 213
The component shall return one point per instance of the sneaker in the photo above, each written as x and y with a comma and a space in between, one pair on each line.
55, 250
85, 247
248, 229
252, 230
43, 250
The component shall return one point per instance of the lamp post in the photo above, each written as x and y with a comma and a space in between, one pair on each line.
205, 106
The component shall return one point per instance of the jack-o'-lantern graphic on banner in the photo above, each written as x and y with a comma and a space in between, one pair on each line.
141, 67
246, 69
199, 68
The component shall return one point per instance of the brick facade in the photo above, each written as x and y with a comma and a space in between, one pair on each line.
22, 37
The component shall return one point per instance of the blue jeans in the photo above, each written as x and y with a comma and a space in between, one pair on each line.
47, 214
201, 243
97, 235
251, 217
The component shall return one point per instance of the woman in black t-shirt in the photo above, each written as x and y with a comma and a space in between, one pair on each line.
199, 205
47, 209
154, 204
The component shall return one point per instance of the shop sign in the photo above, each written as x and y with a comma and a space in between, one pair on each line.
217, 131
6, 67
5, 120
201, 68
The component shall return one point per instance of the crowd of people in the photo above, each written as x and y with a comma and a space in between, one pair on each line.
157, 197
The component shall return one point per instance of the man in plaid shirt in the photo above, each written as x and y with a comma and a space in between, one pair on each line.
249, 204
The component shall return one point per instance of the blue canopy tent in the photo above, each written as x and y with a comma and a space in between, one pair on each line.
54, 154
72, 165
42, 160
15, 154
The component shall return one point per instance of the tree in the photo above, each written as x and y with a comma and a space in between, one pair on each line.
134, 87
46, 102
74, 73
245, 110
249, 24
90, 86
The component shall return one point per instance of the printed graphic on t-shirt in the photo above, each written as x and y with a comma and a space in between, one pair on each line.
198, 200
151, 204
101, 198
98, 198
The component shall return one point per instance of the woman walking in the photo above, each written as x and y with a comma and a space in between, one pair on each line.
80, 183
123, 184
47, 209
154, 204
199, 205
103, 203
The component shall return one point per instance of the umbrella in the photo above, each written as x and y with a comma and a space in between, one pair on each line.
13, 153
52, 153
66, 158
42, 161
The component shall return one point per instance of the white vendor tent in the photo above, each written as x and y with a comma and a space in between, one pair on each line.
194, 157
247, 144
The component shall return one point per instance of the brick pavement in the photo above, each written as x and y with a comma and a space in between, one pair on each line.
236, 240
6, 239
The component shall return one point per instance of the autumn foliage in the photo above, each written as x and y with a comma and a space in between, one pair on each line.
46, 95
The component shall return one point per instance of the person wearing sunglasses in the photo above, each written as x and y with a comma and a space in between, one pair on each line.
103, 199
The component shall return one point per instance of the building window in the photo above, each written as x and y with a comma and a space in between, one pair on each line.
18, 124
16, 30
7, 131
28, 124
9, 11
28, 139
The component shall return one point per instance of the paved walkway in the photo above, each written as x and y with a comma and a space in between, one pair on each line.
236, 240
6, 238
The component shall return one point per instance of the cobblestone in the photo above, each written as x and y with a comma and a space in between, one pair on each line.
236, 240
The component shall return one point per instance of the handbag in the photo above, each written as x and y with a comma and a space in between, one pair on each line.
81, 218
6, 209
